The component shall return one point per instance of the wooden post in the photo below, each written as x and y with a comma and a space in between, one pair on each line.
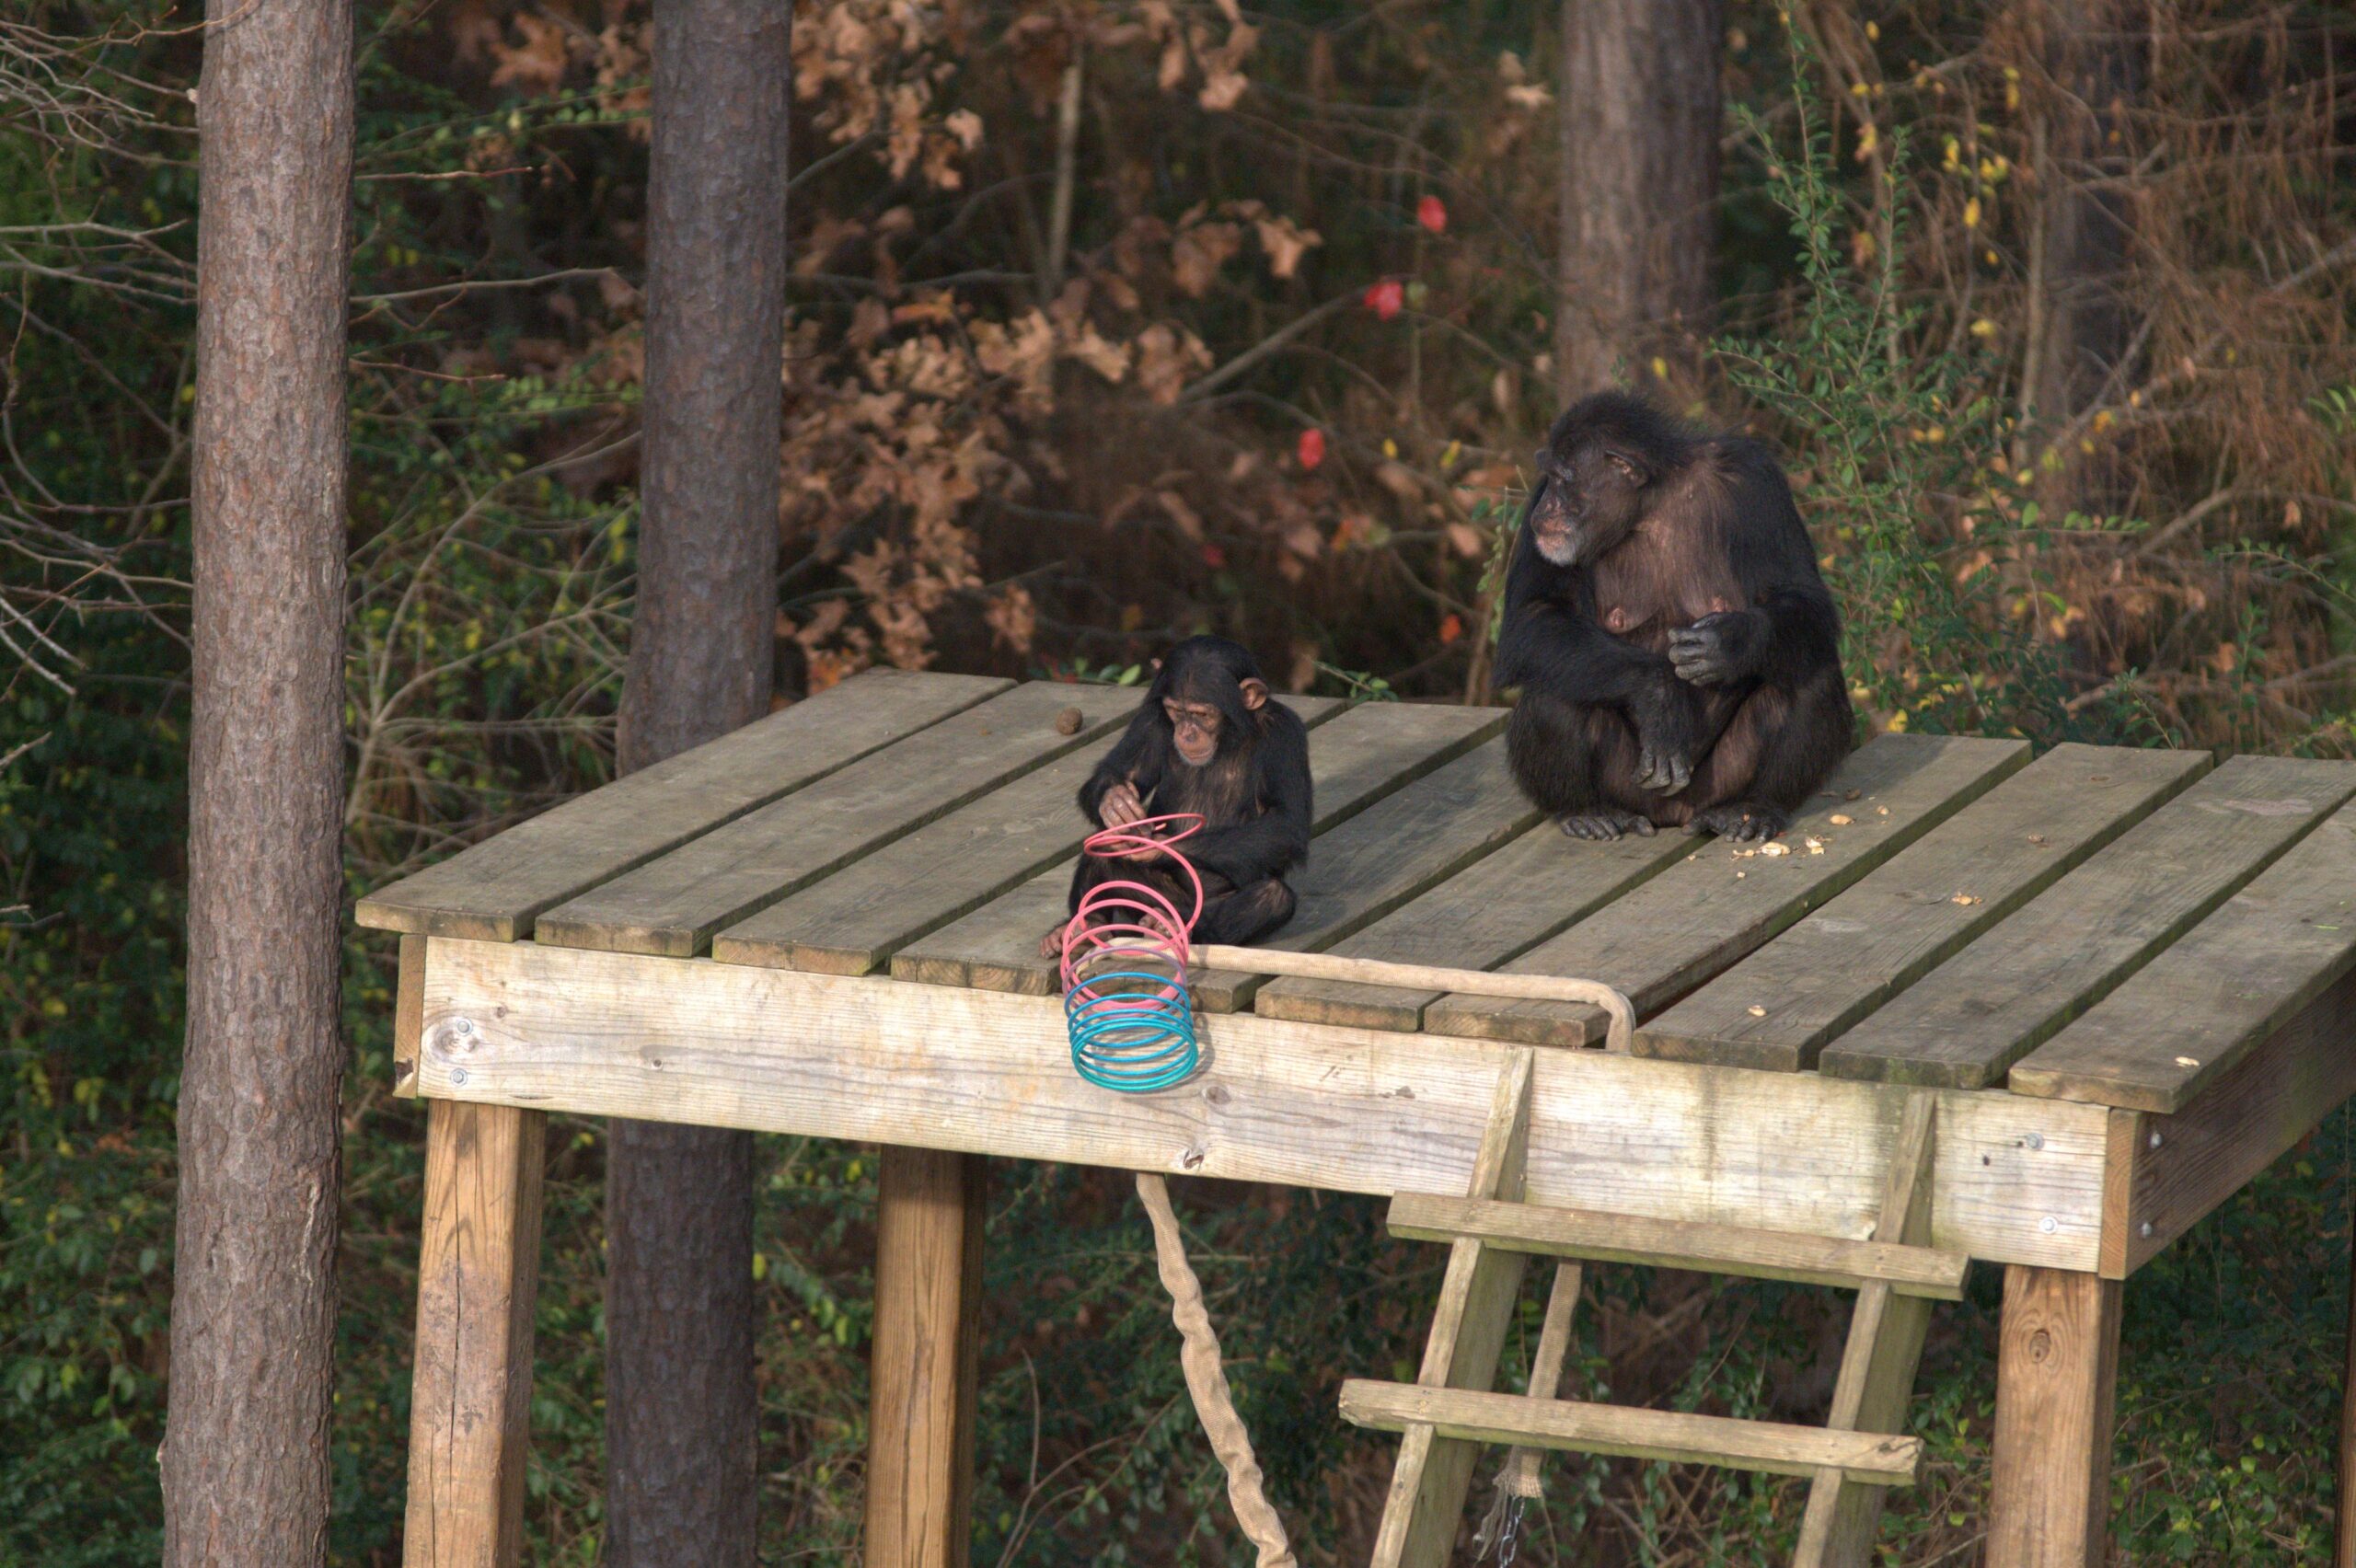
2057, 1366
2344, 1553
931, 1206
479, 1273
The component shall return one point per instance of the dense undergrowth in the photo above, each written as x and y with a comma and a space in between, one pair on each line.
1277, 382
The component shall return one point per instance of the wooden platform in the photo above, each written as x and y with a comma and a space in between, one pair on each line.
2130, 975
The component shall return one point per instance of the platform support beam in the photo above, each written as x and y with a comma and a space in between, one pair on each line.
930, 1206
1425, 1507
2057, 1368
2344, 1549
1877, 1367
477, 1277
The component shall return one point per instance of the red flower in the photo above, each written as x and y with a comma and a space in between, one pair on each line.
1432, 213
1214, 556
1451, 626
1385, 298
1311, 450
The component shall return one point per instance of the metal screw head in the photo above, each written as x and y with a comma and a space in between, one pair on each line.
459, 1075
2155, 1140
463, 1025
2034, 1140
2147, 1228
2048, 1225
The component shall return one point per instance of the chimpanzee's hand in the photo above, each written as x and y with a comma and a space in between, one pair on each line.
1719, 650
1668, 736
1120, 807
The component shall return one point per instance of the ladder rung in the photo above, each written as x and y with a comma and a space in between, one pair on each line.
1680, 1244
1874, 1457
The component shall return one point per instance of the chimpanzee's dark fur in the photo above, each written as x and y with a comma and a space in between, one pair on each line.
1677, 651
1253, 795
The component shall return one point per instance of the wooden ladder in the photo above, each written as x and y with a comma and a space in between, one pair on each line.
1449, 1410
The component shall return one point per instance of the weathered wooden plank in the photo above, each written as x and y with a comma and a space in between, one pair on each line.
1671, 933
1680, 1244
2057, 1371
1387, 854
492, 891
1425, 1505
2181, 1167
479, 1269
1356, 759
1304, 1105
2180, 1023
673, 905
1497, 907
408, 1014
1635, 1433
1966, 1022
852, 922
1778, 1007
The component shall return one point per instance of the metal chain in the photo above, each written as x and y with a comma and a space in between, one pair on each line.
1510, 1537
1500, 1526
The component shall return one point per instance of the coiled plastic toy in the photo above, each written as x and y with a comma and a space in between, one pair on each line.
1124, 973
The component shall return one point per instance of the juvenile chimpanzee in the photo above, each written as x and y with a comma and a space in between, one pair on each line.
1208, 740
1678, 653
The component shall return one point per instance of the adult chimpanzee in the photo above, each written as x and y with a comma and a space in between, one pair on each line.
1678, 653
1208, 740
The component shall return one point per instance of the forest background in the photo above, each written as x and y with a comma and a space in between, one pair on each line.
1110, 323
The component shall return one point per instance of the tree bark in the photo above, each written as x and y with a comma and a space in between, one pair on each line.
680, 1408
2085, 319
244, 1460
1639, 182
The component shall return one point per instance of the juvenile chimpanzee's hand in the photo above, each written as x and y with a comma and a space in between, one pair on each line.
1719, 650
1120, 806
1669, 737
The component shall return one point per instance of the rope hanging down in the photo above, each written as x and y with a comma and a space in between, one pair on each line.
1126, 955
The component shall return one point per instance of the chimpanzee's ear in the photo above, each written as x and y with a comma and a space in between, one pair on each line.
1256, 692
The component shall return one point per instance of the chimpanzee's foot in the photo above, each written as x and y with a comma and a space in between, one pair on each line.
1604, 825
1740, 820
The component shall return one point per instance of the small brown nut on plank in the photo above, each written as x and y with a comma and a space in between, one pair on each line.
1840, 819
1068, 721
1757, 1011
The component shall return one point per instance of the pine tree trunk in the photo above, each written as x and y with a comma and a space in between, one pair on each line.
1639, 182
2087, 322
245, 1458
680, 1409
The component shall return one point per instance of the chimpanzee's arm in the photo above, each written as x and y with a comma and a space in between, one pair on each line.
1789, 633
1136, 758
1266, 844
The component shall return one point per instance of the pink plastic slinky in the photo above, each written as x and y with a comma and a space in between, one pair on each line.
1124, 969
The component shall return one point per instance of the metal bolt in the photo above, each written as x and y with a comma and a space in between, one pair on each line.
2048, 1225
459, 1075
2155, 1140
2147, 1228
463, 1025
2034, 1140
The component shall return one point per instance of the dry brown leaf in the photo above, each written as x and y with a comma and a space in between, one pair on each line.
1196, 255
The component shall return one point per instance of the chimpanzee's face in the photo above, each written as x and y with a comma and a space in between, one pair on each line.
1194, 727
1593, 496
